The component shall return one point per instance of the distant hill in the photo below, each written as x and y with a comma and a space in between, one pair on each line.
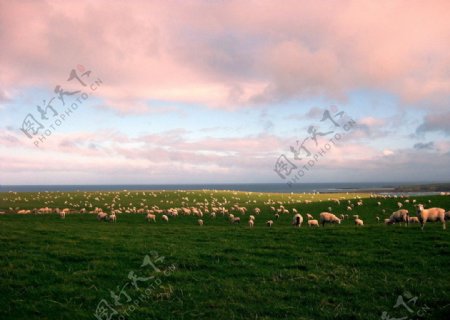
424, 187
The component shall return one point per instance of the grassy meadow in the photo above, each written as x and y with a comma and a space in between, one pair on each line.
77, 267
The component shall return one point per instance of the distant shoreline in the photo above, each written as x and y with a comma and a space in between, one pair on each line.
377, 187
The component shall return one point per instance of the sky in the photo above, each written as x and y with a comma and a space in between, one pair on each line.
172, 92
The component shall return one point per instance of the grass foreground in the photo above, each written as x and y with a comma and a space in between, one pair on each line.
79, 268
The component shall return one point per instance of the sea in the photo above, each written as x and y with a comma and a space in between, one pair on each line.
379, 187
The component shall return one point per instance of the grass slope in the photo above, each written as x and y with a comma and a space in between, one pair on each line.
61, 269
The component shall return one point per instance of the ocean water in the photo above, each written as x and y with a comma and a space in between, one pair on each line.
253, 187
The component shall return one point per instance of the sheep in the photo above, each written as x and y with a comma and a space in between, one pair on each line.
298, 220
102, 216
62, 214
399, 204
112, 217
277, 216
237, 220
326, 217
200, 222
313, 223
269, 223
432, 214
414, 220
309, 217
378, 218
151, 217
165, 218
252, 217
251, 223
400, 216
349, 208
231, 217
359, 222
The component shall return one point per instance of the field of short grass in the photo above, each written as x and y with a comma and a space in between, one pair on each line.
70, 269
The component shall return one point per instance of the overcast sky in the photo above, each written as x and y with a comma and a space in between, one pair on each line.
143, 92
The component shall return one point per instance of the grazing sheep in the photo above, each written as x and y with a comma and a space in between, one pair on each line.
359, 222
400, 216
309, 217
237, 220
313, 223
251, 223
298, 220
432, 214
277, 216
200, 222
165, 218
269, 223
102, 216
326, 217
252, 217
231, 217
349, 208
399, 204
414, 220
151, 217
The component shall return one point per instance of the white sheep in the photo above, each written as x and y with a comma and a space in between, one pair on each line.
269, 223
252, 217
400, 216
200, 222
432, 214
297, 220
151, 217
102, 216
113, 217
326, 217
165, 218
251, 223
359, 222
237, 220
313, 223
414, 220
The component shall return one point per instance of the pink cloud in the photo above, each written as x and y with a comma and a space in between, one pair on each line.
228, 54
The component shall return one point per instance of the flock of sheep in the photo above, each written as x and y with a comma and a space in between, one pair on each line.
234, 213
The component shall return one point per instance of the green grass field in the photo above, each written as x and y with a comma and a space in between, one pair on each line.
64, 269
